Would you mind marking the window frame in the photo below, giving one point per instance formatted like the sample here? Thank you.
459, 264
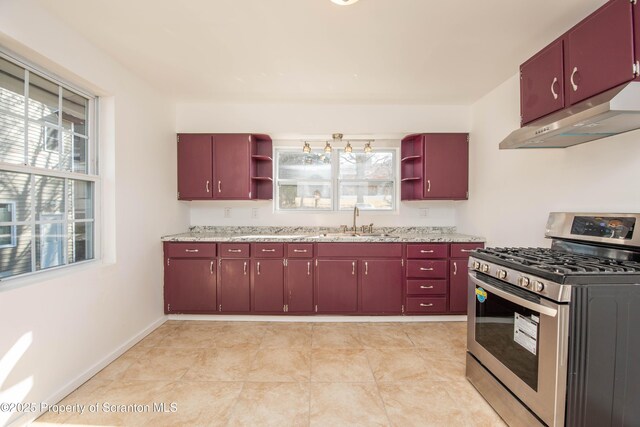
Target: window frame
92, 166
335, 181
11, 224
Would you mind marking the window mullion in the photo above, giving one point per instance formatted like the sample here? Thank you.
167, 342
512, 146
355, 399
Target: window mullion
26, 117
32, 185
60, 131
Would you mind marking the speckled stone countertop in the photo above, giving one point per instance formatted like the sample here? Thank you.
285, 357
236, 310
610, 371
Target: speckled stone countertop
320, 234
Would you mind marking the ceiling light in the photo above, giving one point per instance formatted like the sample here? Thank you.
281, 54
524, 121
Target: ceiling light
327, 148
367, 147
306, 148
344, 2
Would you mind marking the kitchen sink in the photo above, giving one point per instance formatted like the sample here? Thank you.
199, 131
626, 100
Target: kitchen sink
272, 236
352, 235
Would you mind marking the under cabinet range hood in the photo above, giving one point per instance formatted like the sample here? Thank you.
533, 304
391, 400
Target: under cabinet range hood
609, 113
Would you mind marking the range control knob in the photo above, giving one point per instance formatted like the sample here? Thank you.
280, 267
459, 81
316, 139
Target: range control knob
501, 274
523, 281
538, 286
485, 268
476, 265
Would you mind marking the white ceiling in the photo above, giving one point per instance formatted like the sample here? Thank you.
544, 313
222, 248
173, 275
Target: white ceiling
314, 51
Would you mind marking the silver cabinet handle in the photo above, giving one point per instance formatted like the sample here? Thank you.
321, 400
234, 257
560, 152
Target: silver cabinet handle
426, 305
208, 186
211, 268
245, 268
467, 250
353, 268
191, 250
426, 287
573, 83
455, 268
258, 267
430, 251
308, 268
234, 250
303, 251
268, 250
553, 92
219, 186
428, 185
366, 267
426, 269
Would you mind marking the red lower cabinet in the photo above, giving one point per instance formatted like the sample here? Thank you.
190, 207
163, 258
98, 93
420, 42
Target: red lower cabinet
268, 286
426, 305
299, 290
381, 286
336, 286
458, 286
234, 286
190, 285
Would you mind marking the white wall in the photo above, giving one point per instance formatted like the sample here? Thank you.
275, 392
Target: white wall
514, 190
62, 325
289, 124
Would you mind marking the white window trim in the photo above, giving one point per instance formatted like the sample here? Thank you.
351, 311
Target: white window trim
92, 175
11, 223
335, 183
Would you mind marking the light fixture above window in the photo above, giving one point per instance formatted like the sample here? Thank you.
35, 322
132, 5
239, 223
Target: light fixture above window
337, 142
344, 2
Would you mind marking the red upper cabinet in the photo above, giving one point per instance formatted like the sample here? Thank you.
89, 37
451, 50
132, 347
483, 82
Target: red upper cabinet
231, 163
224, 167
599, 54
542, 83
435, 166
195, 174
594, 56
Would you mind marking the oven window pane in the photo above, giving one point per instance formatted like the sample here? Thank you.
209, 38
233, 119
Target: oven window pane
495, 330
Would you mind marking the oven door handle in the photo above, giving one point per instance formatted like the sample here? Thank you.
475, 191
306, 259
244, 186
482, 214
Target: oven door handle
548, 311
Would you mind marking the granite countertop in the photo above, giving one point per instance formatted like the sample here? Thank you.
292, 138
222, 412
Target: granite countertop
320, 234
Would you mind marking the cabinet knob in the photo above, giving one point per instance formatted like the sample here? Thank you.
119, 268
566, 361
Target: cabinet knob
208, 190
428, 185
219, 186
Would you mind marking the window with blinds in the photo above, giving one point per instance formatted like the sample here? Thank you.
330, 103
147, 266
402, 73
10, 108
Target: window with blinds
48, 172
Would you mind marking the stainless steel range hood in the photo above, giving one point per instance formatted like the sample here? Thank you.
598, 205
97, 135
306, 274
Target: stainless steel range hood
609, 113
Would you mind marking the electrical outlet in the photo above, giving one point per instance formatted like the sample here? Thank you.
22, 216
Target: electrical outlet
227, 212
423, 212
254, 213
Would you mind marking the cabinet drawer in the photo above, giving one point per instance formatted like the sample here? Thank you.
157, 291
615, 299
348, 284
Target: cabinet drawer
190, 250
267, 250
234, 250
426, 287
360, 250
461, 250
431, 250
426, 304
300, 250
427, 269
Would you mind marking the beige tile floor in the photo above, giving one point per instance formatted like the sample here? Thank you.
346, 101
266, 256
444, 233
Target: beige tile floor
288, 374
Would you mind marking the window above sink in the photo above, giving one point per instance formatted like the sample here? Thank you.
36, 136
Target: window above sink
335, 181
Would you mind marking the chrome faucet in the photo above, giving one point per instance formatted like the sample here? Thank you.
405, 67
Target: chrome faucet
356, 212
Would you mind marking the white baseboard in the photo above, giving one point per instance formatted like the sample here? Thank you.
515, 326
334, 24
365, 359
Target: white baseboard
27, 418
316, 319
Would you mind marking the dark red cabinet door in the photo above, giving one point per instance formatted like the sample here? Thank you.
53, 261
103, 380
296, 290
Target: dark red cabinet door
234, 286
268, 285
190, 285
299, 285
458, 285
542, 83
599, 51
337, 286
232, 162
195, 158
381, 286
446, 161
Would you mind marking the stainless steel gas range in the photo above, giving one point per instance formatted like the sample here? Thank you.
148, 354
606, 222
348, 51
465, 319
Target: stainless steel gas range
554, 334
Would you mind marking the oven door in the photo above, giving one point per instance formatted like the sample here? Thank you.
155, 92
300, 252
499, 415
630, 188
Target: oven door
521, 339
